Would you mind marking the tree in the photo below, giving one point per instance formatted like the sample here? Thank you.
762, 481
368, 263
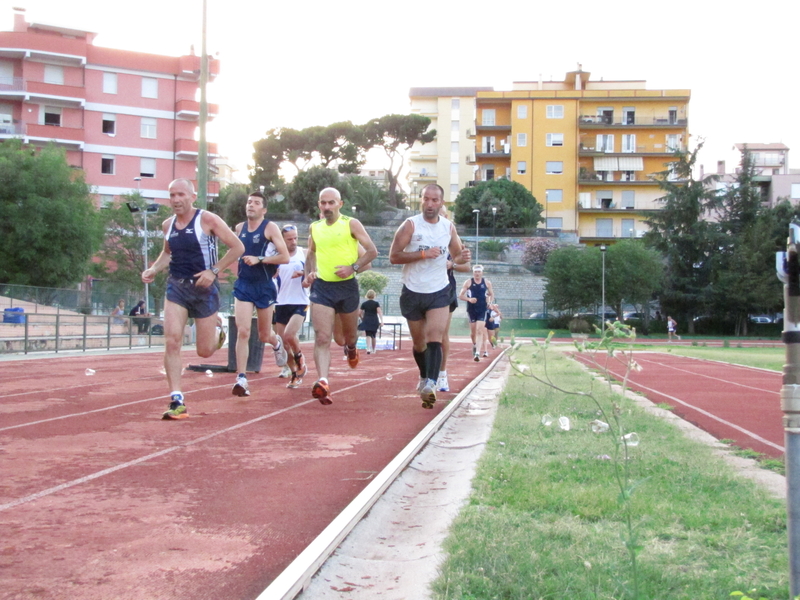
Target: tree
304, 190
232, 203
121, 255
396, 134
49, 226
516, 206
372, 280
536, 253
682, 235
634, 273
573, 278
368, 196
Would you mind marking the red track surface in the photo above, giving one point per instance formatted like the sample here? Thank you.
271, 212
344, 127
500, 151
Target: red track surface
100, 498
728, 401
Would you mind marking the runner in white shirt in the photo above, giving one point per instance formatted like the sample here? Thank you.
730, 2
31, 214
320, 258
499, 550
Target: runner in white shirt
292, 304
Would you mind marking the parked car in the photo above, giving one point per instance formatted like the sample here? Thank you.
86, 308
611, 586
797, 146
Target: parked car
539, 315
633, 315
607, 316
760, 319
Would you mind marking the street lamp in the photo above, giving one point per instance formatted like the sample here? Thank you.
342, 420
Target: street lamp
477, 231
603, 310
148, 208
355, 210
494, 221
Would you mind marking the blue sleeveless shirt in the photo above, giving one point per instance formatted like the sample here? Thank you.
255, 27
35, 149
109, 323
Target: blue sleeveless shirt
192, 249
478, 291
256, 244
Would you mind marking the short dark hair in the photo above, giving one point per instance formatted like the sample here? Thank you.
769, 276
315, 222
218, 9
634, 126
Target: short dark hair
437, 186
257, 194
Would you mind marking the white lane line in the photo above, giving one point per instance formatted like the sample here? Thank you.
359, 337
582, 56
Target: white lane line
125, 465
74, 387
747, 432
743, 385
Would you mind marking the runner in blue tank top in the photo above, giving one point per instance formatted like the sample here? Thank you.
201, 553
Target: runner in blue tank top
190, 253
264, 250
478, 294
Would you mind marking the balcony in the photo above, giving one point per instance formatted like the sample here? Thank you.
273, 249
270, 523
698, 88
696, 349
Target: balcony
503, 154
605, 121
189, 110
654, 149
471, 133
588, 177
489, 128
17, 88
190, 66
186, 148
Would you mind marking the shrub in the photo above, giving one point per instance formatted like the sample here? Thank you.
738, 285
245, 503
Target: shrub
578, 325
537, 251
372, 281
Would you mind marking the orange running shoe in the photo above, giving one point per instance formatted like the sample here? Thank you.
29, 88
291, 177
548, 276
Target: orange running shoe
321, 390
352, 356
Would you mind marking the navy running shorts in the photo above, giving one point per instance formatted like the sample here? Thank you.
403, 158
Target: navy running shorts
414, 305
475, 315
341, 296
284, 312
262, 294
201, 302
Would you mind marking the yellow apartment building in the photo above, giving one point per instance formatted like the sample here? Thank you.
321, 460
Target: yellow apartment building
587, 150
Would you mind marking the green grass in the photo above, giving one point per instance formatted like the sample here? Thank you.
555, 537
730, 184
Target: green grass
547, 519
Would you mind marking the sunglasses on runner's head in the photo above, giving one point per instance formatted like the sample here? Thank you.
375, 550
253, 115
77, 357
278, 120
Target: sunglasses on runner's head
289, 228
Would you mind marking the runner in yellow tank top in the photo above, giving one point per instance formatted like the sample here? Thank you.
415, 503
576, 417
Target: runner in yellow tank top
331, 263
341, 248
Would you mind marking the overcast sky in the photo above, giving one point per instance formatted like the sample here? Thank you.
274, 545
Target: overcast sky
297, 64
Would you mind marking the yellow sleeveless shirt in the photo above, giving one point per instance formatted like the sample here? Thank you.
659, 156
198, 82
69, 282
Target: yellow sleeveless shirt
335, 246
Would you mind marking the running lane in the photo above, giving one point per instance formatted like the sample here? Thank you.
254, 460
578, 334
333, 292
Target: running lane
729, 401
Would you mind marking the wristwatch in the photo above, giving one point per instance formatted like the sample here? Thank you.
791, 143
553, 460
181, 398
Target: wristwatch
354, 266
215, 270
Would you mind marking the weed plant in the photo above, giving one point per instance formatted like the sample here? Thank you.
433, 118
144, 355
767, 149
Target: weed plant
574, 514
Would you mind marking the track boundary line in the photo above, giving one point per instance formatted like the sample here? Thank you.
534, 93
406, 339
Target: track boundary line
296, 577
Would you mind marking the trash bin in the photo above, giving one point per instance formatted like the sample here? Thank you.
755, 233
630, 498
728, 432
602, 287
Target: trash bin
256, 356
14, 315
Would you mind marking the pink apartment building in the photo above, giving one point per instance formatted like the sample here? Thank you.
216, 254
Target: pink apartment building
119, 115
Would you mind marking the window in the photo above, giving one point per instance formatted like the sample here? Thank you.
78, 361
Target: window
627, 176
455, 104
454, 169
554, 195
488, 117
628, 115
628, 199
522, 139
673, 142
627, 228
52, 116
454, 148
606, 114
488, 172
109, 83
795, 191
106, 201
107, 165
555, 111
554, 222
554, 167
453, 190
522, 167
605, 143
54, 74
628, 142
605, 199
149, 87
522, 111
147, 167
604, 228
110, 124
455, 126
555, 139
149, 128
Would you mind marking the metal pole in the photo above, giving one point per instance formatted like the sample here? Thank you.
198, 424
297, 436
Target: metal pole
788, 267
202, 150
477, 232
603, 310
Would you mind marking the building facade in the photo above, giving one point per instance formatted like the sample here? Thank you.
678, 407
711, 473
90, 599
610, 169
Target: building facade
587, 150
445, 160
127, 119
771, 173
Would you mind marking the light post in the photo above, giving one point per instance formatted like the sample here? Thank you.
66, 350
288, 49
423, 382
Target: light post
355, 211
148, 208
477, 231
494, 221
603, 310
266, 202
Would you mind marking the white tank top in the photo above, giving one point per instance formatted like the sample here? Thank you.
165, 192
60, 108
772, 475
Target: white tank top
430, 274
291, 290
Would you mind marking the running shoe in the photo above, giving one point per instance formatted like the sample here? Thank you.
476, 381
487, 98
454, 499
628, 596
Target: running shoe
477, 357
295, 383
177, 410
421, 384
442, 384
486, 355
345, 352
428, 395
286, 372
240, 388
280, 353
352, 357
220, 338
300, 361
321, 390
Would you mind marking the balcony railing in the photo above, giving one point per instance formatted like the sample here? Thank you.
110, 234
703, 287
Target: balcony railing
625, 121
589, 149
187, 109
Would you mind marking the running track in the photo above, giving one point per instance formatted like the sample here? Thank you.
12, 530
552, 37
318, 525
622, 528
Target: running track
729, 401
100, 498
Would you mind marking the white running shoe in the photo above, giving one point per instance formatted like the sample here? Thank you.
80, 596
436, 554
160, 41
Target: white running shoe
280, 353
442, 384
428, 395
286, 372
240, 388
421, 384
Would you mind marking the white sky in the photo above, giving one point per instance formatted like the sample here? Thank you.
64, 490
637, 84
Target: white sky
297, 64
